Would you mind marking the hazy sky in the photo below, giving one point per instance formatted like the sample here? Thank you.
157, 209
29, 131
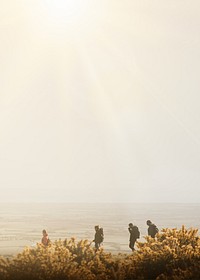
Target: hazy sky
100, 100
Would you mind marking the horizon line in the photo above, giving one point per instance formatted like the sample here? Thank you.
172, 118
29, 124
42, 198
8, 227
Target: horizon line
101, 202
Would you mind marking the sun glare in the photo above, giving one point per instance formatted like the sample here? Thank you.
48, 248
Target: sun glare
65, 11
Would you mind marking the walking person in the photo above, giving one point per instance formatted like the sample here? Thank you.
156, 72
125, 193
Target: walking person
134, 235
45, 239
152, 229
98, 237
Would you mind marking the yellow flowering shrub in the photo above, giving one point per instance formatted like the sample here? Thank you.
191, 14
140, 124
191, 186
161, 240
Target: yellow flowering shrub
173, 254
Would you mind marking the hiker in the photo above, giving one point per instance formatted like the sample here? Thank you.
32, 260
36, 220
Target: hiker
134, 235
45, 239
98, 237
152, 229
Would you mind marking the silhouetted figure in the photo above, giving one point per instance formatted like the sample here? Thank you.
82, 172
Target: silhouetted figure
134, 235
45, 239
152, 229
98, 237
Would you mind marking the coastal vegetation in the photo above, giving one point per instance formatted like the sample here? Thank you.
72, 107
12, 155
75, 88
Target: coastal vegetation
172, 254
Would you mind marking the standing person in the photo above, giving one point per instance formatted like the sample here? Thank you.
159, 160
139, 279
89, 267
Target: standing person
45, 239
98, 237
152, 229
134, 235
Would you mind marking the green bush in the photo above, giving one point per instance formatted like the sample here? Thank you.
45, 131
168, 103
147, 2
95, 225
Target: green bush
173, 254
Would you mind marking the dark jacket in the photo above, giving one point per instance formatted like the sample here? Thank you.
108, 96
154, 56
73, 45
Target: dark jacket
98, 238
152, 230
134, 232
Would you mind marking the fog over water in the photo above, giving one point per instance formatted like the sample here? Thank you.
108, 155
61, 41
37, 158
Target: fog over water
22, 224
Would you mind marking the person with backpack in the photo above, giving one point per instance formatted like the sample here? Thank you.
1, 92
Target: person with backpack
134, 235
98, 237
152, 229
45, 239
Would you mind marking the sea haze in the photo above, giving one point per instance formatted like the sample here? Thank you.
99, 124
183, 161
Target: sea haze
21, 224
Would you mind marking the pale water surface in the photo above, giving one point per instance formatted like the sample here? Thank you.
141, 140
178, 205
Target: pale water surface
21, 224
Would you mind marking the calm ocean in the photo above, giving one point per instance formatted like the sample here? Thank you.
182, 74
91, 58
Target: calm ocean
22, 224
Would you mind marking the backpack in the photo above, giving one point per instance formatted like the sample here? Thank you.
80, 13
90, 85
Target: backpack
101, 235
137, 233
155, 229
